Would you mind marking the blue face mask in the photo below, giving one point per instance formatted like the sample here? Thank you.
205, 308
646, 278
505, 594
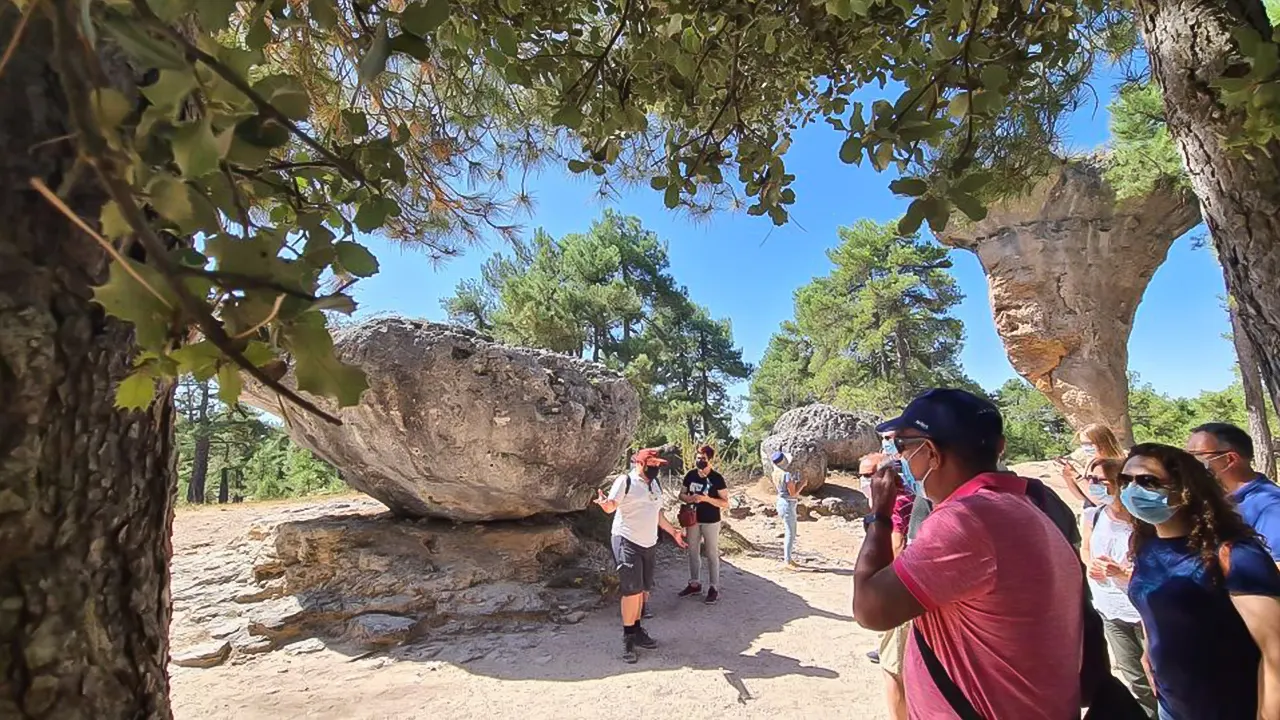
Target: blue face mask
1148, 505
1099, 495
1090, 450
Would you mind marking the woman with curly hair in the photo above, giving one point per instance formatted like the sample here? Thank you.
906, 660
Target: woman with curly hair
1206, 589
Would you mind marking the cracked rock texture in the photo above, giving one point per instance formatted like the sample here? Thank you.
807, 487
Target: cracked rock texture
1066, 268
457, 426
819, 437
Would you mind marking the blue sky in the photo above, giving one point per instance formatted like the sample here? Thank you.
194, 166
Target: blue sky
745, 269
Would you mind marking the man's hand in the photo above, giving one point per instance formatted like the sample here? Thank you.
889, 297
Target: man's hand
885, 486
1098, 569
678, 536
605, 503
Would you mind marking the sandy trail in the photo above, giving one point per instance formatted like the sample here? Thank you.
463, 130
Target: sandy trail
779, 644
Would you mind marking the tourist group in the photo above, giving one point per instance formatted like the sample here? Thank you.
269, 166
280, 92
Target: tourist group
995, 599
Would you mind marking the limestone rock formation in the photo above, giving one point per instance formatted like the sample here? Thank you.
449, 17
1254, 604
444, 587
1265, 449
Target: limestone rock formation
349, 574
1066, 268
455, 425
820, 437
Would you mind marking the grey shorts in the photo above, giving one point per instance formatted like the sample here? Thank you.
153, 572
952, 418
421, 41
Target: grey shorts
635, 566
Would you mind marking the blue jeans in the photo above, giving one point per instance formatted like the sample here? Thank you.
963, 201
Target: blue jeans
787, 511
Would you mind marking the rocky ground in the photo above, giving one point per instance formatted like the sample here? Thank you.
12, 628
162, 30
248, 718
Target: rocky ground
258, 635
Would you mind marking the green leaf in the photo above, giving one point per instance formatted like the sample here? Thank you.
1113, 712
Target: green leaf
356, 259
569, 116
770, 44
911, 221
958, 107
286, 94
215, 15
994, 78
910, 187
111, 107
323, 13
507, 41
883, 156
112, 222
170, 10
259, 34
195, 149
421, 18
375, 61
169, 197
411, 45
229, 383
200, 359
851, 150
937, 211
578, 166
356, 122
170, 89
671, 198
150, 51
974, 181
969, 205
136, 391
315, 367
372, 214
259, 353
126, 298
659, 182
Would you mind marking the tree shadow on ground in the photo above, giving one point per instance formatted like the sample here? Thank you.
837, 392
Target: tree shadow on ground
690, 635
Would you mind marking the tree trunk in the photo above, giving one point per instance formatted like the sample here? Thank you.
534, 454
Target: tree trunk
1255, 401
1190, 45
224, 488
200, 457
86, 490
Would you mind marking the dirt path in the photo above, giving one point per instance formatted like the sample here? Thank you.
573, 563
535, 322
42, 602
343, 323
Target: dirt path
779, 644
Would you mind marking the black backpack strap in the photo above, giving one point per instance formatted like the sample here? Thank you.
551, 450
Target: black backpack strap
952, 692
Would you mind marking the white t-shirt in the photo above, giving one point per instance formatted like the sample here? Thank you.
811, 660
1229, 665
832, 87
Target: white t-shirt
636, 518
1110, 538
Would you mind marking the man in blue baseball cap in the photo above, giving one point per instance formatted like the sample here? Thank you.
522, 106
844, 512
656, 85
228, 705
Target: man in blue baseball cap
992, 587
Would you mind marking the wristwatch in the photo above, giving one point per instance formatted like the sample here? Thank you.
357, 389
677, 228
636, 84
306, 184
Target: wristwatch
875, 518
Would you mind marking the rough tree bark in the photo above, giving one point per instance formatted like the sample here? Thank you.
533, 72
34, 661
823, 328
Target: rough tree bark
1255, 401
1189, 43
85, 490
1066, 268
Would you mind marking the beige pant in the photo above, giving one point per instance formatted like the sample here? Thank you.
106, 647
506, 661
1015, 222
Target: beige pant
893, 646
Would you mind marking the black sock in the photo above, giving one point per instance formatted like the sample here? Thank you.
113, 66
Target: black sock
629, 630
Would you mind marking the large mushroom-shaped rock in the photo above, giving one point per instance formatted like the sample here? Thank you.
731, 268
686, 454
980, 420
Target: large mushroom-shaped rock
1066, 267
819, 437
455, 425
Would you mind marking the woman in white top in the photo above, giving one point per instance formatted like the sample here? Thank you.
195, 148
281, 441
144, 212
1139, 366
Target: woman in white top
1106, 528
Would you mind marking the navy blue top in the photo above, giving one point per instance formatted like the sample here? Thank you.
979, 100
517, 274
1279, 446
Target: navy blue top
1259, 504
1204, 661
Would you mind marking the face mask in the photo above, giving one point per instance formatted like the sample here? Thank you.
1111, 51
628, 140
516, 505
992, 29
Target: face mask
1208, 463
700, 464
913, 485
1089, 449
651, 473
1099, 495
1150, 506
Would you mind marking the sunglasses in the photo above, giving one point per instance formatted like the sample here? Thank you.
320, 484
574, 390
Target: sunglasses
866, 476
1095, 479
902, 443
1142, 480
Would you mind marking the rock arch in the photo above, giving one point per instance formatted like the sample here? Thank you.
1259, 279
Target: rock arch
1066, 267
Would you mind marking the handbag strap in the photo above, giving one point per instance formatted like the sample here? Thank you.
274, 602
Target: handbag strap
952, 692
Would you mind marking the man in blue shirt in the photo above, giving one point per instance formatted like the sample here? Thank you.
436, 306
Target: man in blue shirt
1227, 451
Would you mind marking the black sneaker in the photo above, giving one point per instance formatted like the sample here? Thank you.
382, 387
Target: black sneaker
629, 649
692, 588
713, 597
874, 656
643, 640
645, 614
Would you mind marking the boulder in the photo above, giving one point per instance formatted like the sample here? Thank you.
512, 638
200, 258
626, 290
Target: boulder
846, 435
1066, 267
819, 437
376, 629
205, 655
455, 425
808, 461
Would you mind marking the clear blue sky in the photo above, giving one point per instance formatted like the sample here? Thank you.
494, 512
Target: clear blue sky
745, 269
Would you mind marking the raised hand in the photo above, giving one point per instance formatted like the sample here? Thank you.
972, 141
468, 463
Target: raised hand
600, 500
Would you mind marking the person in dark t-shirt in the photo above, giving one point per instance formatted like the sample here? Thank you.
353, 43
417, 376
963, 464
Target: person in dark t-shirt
706, 490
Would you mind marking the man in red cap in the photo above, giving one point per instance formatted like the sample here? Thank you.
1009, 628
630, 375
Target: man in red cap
635, 500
